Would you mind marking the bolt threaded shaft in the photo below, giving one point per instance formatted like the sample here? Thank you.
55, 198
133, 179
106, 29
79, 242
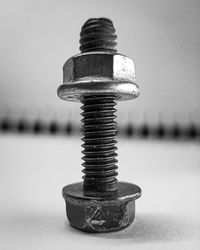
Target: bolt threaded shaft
99, 132
99, 128
98, 34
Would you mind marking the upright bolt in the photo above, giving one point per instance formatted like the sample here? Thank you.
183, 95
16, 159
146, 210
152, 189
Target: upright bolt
98, 77
99, 128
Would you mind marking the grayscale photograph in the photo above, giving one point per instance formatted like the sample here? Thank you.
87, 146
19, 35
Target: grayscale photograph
99, 124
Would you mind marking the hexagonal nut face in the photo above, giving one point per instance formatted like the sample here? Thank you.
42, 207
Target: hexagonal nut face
98, 214
99, 66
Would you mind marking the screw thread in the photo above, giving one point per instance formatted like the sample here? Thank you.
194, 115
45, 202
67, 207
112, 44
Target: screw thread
98, 34
99, 128
99, 133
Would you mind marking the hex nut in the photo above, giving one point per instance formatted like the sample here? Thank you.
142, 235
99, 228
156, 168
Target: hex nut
98, 72
94, 65
93, 214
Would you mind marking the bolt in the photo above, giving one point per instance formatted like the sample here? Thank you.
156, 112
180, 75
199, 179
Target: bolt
98, 77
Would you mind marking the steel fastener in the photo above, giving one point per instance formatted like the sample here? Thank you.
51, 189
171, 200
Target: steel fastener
98, 77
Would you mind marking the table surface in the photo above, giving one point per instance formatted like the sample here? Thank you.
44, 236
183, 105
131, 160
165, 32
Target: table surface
34, 169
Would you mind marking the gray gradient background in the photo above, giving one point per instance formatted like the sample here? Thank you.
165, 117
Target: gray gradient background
36, 39
162, 37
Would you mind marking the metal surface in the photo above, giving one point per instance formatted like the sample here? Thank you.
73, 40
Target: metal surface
98, 72
98, 77
101, 214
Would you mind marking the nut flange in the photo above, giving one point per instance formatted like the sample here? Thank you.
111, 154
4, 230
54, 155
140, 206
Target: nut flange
97, 73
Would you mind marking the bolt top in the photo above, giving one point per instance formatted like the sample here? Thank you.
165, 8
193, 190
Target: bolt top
98, 69
98, 34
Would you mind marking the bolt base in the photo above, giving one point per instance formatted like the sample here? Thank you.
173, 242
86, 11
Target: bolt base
101, 214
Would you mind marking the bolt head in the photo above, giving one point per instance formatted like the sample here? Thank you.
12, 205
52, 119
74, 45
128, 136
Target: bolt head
97, 73
95, 214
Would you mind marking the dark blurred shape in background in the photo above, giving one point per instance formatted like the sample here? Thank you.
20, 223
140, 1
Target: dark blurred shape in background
162, 37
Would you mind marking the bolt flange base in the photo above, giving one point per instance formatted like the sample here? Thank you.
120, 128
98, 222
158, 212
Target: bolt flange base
101, 214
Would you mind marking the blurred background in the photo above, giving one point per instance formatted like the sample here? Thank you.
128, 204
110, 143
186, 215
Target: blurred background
162, 37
